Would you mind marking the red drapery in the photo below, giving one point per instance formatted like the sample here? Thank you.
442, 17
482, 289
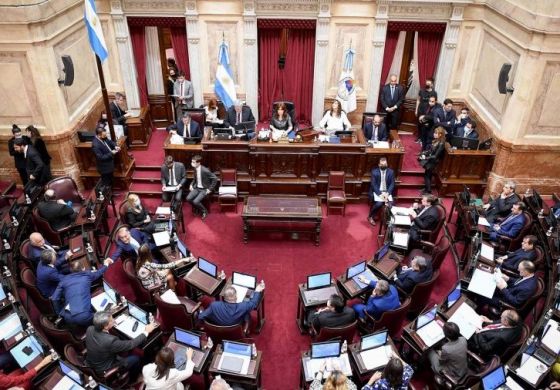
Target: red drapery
179, 43
295, 80
137, 37
388, 54
429, 44
416, 26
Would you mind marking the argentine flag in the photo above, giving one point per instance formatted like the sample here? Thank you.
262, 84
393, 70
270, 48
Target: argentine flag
224, 87
95, 33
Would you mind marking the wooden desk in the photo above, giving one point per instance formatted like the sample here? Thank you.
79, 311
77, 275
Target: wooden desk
294, 215
350, 289
140, 129
259, 309
306, 376
203, 282
387, 265
310, 299
250, 381
411, 338
363, 373
202, 367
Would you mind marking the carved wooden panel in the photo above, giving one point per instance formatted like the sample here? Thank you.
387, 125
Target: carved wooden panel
160, 108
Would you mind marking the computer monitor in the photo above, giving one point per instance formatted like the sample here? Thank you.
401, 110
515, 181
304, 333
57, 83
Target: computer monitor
187, 338
191, 140
221, 130
237, 348
318, 281
453, 296
325, 349
111, 293
537, 200
137, 313
374, 340
382, 251
182, 248
70, 372
2, 293
244, 126
207, 267
464, 143
355, 269
10, 326
343, 133
426, 318
466, 195
26, 351
244, 280
494, 379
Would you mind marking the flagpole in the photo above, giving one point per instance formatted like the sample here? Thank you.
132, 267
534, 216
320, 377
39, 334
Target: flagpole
105, 98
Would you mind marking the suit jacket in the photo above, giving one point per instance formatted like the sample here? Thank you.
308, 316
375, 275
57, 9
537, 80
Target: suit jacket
453, 358
332, 319
396, 100
494, 341
501, 207
209, 180
19, 158
231, 116
513, 259
376, 306
35, 254
511, 227
187, 93
375, 187
103, 156
226, 314
36, 167
382, 134
427, 220
182, 131
434, 155
408, 279
117, 114
41, 148
517, 294
58, 215
127, 249
180, 174
136, 219
49, 277
445, 119
460, 132
103, 348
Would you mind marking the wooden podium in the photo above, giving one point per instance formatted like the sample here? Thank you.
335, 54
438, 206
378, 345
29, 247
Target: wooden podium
140, 129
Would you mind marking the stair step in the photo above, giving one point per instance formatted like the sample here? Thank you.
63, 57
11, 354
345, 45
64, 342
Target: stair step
139, 174
411, 172
149, 167
411, 181
146, 189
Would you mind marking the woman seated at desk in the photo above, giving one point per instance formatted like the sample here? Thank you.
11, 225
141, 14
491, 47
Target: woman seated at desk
137, 216
281, 122
211, 111
153, 274
335, 120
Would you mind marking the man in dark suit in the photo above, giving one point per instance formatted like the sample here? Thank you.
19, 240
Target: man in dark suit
526, 252
496, 336
423, 218
186, 128
381, 188
37, 244
445, 117
453, 355
461, 120
237, 114
383, 298
119, 114
420, 271
128, 243
501, 206
104, 150
376, 130
72, 297
467, 131
104, 349
173, 174
204, 182
426, 121
335, 314
56, 211
19, 159
516, 291
50, 272
36, 169
228, 312
512, 225
392, 98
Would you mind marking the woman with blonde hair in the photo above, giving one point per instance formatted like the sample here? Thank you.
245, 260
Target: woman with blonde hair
137, 216
153, 274
335, 381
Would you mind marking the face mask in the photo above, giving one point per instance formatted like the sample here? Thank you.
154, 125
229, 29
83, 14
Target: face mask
383, 167
193, 165
428, 86
18, 135
104, 117
137, 203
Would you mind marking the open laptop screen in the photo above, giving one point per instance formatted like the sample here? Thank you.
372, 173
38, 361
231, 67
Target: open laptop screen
454, 295
425, 318
318, 280
325, 350
26, 351
382, 251
355, 270
2, 293
137, 313
237, 348
182, 248
110, 292
494, 379
207, 267
244, 280
70, 372
374, 340
10, 326
188, 338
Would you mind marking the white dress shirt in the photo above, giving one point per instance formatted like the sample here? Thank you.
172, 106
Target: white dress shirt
173, 381
334, 123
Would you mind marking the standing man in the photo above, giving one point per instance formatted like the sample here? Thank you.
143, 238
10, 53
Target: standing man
104, 150
426, 121
422, 101
36, 170
382, 187
445, 117
392, 98
119, 114
19, 159
173, 174
184, 95
204, 182
376, 130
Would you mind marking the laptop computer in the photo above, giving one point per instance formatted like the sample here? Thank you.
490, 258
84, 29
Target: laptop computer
27, 352
381, 252
71, 372
374, 340
325, 349
106, 300
133, 322
207, 267
10, 326
235, 357
453, 296
428, 329
373, 350
354, 272
189, 339
495, 380
3, 298
318, 281
242, 283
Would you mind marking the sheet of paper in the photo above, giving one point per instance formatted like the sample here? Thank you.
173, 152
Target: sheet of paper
380, 145
126, 327
400, 239
96, 301
531, 370
377, 198
163, 211
161, 238
376, 357
430, 333
396, 210
134, 113
342, 362
402, 220
170, 189
482, 283
552, 337
487, 251
467, 319
67, 384
169, 296
227, 190
513, 385
483, 221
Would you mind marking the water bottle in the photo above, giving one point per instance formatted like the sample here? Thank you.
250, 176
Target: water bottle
27, 199
541, 213
92, 384
15, 222
344, 347
11, 298
123, 300
69, 203
6, 244
254, 350
54, 355
209, 343
100, 196
151, 318
222, 275
89, 248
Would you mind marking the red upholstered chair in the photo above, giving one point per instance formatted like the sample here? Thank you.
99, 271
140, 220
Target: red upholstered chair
181, 315
530, 304
513, 348
434, 252
143, 295
59, 338
343, 332
477, 369
65, 188
55, 237
336, 196
112, 378
122, 211
509, 244
227, 193
24, 253
30, 283
391, 320
198, 115
219, 333
421, 294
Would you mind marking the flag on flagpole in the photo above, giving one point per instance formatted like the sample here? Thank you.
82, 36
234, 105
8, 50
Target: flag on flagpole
224, 87
346, 89
95, 33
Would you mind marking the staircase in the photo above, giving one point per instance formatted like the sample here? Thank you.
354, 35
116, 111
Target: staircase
146, 181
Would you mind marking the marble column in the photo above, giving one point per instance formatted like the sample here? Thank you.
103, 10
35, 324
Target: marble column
126, 57
377, 50
321, 54
250, 56
154, 77
193, 39
447, 53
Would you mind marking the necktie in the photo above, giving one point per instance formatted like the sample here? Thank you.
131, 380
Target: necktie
375, 133
189, 130
392, 91
492, 327
238, 118
383, 186
172, 177
181, 90
134, 244
422, 212
107, 145
509, 218
48, 247
518, 281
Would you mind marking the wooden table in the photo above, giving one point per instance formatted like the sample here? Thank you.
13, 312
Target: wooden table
282, 214
310, 299
252, 380
259, 309
202, 367
363, 373
204, 283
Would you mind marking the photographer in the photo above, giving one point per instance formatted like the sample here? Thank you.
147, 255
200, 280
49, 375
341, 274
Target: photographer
430, 158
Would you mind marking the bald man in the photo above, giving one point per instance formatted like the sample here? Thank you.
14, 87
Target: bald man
37, 244
392, 98
56, 211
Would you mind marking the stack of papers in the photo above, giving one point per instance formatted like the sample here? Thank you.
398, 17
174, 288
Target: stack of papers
483, 221
430, 333
169, 296
400, 239
163, 211
487, 251
314, 365
552, 337
531, 370
467, 319
482, 283
161, 238
379, 144
376, 357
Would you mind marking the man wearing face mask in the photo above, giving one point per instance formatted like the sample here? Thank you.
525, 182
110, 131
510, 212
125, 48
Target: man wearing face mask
422, 101
426, 121
381, 190
461, 120
104, 150
445, 117
19, 159
204, 182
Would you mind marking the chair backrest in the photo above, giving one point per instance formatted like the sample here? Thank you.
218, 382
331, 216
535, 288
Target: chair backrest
174, 315
143, 295
337, 180
198, 115
43, 226
30, 283
290, 107
473, 378
228, 177
421, 293
24, 250
440, 251
219, 333
123, 207
367, 117
65, 188
539, 258
530, 303
59, 338
343, 332
516, 241
434, 233
392, 319
512, 348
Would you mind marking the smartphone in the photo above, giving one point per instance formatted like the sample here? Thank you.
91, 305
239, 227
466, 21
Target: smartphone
103, 302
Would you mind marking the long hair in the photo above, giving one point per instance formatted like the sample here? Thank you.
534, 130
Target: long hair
338, 108
336, 381
33, 132
393, 372
165, 360
440, 132
131, 199
280, 106
144, 256
212, 103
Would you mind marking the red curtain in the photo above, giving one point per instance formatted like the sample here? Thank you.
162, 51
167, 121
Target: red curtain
388, 54
429, 44
137, 37
179, 43
295, 80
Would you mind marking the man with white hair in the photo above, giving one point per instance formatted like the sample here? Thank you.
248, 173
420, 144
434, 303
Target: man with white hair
500, 207
420, 271
56, 211
239, 113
